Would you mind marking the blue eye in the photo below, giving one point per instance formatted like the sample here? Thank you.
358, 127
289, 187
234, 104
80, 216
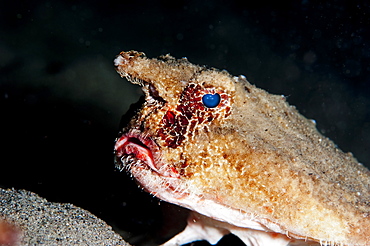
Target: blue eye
211, 100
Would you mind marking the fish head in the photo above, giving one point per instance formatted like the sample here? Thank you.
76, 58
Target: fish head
185, 107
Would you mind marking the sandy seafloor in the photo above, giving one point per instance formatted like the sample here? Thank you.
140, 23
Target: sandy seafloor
33, 220
61, 99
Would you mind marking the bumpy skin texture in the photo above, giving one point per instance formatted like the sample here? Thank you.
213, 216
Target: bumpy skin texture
252, 161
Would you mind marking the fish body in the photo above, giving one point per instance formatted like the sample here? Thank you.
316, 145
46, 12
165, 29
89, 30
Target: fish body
243, 160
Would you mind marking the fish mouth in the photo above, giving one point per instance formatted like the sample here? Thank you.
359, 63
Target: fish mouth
133, 149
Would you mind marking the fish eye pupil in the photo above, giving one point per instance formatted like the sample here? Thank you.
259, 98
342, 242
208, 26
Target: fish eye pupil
211, 100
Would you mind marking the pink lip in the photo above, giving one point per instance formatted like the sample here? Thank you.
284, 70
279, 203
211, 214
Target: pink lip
143, 149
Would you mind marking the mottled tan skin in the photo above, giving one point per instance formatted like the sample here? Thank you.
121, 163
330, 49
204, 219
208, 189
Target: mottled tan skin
261, 157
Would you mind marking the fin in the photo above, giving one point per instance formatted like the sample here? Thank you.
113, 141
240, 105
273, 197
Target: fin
199, 228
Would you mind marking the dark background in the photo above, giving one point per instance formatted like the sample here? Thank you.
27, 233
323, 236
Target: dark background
61, 99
